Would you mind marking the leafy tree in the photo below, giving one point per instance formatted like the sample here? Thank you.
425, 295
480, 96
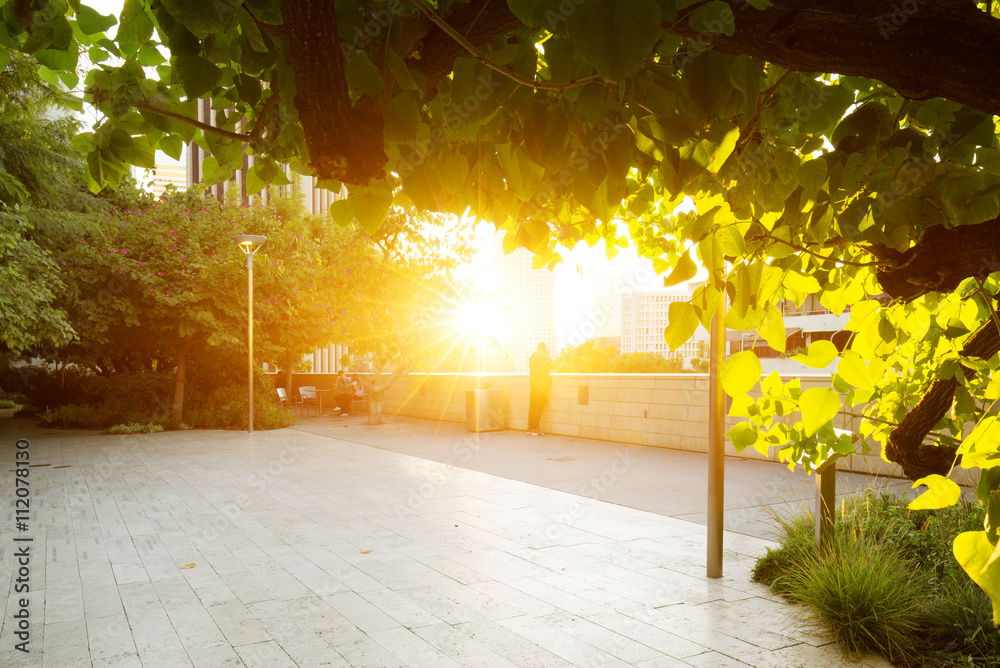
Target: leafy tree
820, 160
168, 280
587, 357
44, 205
592, 357
640, 362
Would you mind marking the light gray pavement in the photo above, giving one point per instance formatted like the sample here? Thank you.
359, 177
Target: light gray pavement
667, 482
308, 547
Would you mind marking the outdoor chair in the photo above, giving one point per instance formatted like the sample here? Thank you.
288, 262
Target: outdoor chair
307, 397
291, 402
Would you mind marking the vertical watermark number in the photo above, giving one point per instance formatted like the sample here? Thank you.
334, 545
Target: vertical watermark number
22, 544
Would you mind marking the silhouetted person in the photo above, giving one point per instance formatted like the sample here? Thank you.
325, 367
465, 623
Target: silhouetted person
343, 392
540, 369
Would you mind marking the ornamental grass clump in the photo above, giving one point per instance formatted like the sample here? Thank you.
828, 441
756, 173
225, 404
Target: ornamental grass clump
888, 583
867, 594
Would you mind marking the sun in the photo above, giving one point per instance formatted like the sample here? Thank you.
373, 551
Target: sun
479, 318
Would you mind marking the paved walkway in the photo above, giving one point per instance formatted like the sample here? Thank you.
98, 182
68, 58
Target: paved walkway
299, 548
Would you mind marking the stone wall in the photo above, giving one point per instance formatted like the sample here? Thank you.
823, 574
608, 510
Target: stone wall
660, 410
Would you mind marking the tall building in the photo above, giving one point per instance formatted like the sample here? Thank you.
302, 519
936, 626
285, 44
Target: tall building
531, 296
645, 316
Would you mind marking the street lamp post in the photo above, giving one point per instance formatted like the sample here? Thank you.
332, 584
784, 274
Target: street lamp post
249, 244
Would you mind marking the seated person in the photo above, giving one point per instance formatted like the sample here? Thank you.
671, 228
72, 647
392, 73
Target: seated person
343, 391
359, 388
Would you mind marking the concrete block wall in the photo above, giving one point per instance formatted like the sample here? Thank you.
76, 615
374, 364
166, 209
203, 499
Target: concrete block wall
660, 410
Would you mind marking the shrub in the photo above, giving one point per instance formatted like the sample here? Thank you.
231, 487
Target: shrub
226, 407
87, 416
135, 428
866, 593
889, 583
7, 403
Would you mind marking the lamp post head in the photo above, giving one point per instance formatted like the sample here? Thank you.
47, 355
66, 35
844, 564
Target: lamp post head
249, 243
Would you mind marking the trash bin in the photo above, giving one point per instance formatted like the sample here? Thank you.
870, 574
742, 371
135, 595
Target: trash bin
484, 410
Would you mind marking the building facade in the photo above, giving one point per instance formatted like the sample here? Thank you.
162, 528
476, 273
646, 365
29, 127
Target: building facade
530, 294
645, 316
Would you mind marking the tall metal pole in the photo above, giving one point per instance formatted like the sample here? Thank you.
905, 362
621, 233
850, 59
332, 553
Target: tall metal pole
250, 335
716, 442
249, 244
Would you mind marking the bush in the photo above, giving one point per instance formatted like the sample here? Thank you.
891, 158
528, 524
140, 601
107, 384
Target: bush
866, 593
889, 583
87, 416
226, 407
134, 428
7, 403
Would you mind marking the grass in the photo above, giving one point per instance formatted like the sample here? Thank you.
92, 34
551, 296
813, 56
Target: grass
889, 583
135, 428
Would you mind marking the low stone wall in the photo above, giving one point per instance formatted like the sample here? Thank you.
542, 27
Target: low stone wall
661, 410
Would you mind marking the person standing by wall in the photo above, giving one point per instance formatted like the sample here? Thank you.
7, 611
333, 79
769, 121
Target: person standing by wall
540, 368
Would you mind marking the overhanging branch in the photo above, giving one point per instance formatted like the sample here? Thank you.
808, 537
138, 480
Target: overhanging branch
943, 49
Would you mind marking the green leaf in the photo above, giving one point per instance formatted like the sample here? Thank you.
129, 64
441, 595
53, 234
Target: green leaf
363, 76
198, 75
136, 27
740, 372
976, 555
685, 270
340, 211
615, 35
941, 493
818, 406
743, 435
853, 369
370, 208
91, 22
214, 173
402, 118
202, 17
714, 18
773, 329
682, 323
818, 355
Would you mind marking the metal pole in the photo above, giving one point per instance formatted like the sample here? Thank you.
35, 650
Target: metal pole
716, 442
250, 335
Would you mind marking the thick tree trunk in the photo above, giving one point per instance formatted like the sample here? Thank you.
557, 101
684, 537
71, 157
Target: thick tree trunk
177, 408
943, 258
939, 49
344, 143
376, 400
287, 368
905, 445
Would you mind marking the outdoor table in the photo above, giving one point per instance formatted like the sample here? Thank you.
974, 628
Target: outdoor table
320, 393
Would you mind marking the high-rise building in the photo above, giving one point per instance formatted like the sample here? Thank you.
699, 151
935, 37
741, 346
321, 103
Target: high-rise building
645, 316
530, 294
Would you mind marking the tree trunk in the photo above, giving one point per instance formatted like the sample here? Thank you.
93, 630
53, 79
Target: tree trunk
177, 409
287, 367
376, 400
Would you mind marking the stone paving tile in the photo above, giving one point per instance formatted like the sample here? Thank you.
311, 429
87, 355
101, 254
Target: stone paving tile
305, 550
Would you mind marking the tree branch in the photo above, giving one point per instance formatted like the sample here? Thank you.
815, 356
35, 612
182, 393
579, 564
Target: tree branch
941, 50
803, 249
483, 58
943, 258
204, 127
904, 445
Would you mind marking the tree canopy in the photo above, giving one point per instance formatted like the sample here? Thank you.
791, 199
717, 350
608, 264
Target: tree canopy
845, 150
